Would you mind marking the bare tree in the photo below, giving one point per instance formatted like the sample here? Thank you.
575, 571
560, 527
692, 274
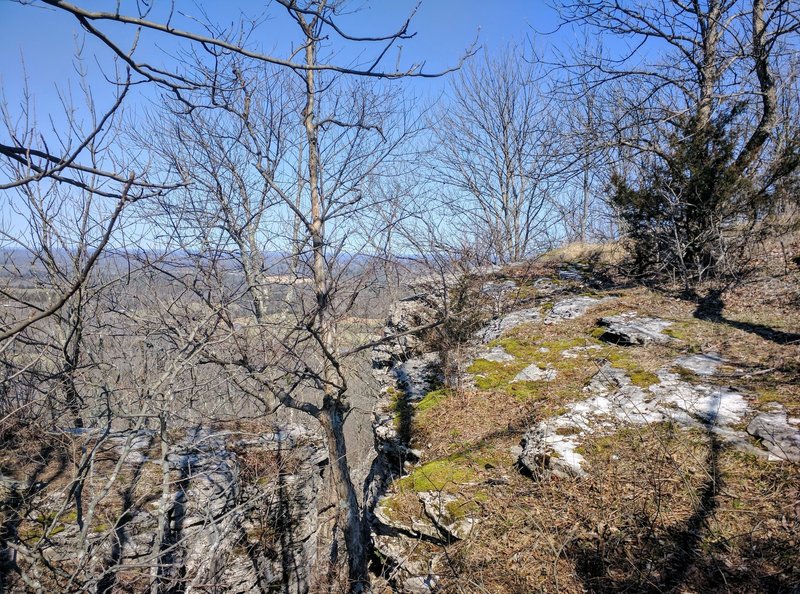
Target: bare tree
261, 183
587, 141
498, 157
283, 234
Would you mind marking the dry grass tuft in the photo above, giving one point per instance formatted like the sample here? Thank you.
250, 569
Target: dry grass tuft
609, 253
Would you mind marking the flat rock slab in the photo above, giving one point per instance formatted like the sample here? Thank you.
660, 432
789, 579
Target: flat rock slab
507, 322
607, 379
534, 373
705, 364
496, 355
571, 308
777, 432
566, 309
631, 329
552, 446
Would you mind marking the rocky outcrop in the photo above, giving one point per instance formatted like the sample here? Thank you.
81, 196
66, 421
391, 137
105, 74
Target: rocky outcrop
228, 523
408, 374
551, 447
416, 517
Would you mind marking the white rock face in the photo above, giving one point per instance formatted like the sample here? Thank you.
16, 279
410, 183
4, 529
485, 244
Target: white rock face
711, 405
551, 446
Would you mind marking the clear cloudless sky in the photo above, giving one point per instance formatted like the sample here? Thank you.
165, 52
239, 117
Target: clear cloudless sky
46, 39
38, 46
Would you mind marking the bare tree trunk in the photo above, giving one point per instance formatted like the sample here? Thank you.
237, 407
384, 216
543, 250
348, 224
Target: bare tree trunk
344, 498
342, 492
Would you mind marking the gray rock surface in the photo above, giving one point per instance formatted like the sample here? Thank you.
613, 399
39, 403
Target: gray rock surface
420, 584
448, 513
631, 329
417, 376
566, 309
212, 515
777, 432
505, 323
534, 373
571, 308
701, 364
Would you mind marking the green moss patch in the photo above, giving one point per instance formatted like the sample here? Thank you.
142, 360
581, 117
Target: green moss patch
436, 475
468, 507
638, 375
431, 399
453, 471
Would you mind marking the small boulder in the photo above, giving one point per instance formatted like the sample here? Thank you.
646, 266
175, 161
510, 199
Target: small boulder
569, 309
632, 329
545, 453
449, 513
507, 322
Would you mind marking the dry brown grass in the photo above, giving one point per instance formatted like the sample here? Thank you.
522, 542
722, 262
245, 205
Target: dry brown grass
664, 509
609, 253
655, 514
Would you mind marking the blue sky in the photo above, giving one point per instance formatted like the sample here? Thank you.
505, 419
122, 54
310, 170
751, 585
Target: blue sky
47, 39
